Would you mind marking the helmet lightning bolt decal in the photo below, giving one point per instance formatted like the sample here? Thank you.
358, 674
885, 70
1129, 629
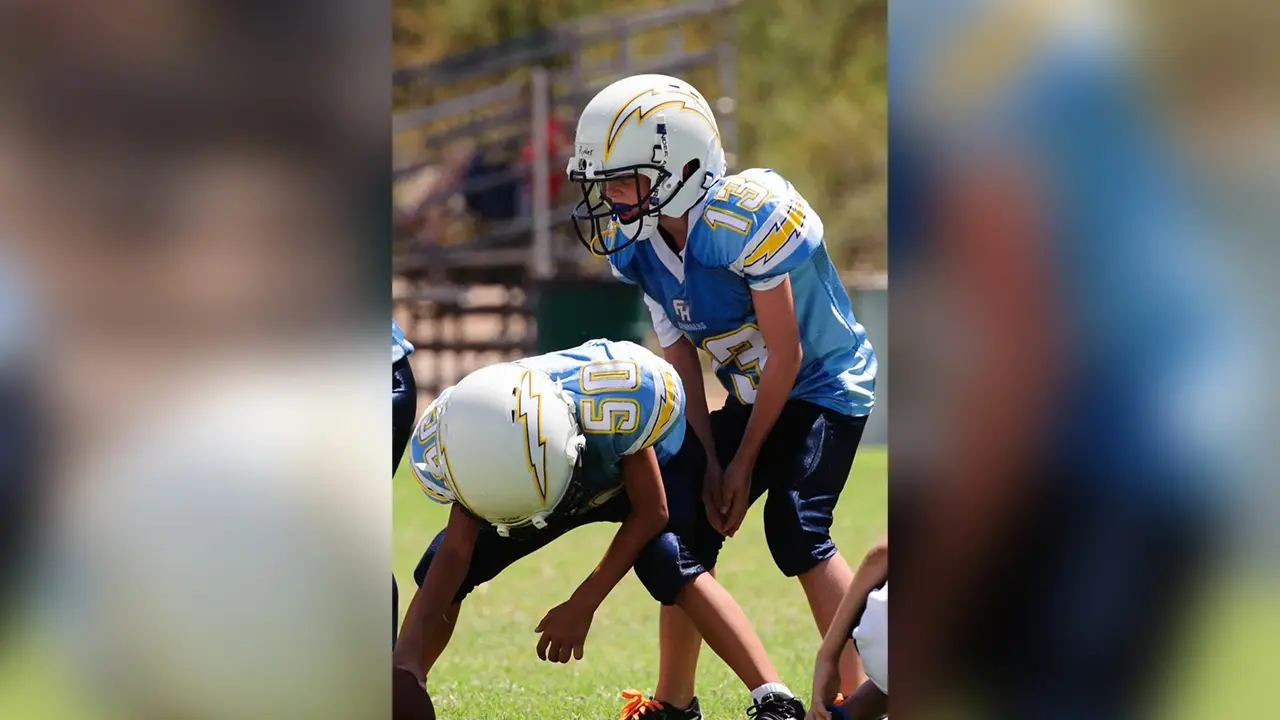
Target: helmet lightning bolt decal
529, 411
643, 105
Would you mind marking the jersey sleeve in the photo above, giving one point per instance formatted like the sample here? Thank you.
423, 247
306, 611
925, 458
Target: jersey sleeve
764, 227
667, 332
630, 404
619, 275
425, 453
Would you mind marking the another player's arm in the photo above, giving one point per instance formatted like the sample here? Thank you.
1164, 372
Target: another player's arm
871, 572
565, 626
647, 518
425, 630
683, 356
776, 315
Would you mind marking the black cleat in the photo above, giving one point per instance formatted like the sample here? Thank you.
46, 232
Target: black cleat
777, 707
642, 707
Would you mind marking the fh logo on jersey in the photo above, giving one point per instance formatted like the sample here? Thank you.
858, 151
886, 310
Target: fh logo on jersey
682, 310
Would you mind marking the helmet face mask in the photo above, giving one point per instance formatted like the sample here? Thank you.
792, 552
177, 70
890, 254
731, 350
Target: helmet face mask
650, 126
606, 226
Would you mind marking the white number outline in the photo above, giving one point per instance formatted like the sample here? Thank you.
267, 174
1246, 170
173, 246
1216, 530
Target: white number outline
731, 348
750, 196
610, 415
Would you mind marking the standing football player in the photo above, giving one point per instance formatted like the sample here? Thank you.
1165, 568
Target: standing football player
404, 408
529, 450
734, 266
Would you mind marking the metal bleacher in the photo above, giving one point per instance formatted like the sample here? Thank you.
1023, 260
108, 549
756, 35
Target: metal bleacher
462, 285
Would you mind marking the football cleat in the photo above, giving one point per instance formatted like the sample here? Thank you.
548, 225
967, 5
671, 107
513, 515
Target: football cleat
642, 707
777, 707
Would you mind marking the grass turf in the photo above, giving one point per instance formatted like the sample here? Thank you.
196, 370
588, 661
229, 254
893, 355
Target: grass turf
491, 671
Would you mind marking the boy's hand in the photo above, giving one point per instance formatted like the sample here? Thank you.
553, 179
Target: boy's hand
712, 486
564, 632
409, 699
826, 683
735, 495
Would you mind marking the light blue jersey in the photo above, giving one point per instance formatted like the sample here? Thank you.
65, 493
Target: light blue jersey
627, 399
400, 347
751, 231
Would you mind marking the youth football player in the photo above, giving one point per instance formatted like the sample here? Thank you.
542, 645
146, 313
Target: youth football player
526, 452
404, 408
734, 266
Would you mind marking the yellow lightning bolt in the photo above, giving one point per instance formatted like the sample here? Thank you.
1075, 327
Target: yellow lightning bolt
634, 108
778, 237
525, 394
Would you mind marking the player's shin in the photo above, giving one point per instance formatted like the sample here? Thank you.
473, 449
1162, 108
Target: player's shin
679, 644
725, 626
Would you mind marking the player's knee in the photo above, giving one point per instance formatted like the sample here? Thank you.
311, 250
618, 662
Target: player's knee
797, 543
664, 569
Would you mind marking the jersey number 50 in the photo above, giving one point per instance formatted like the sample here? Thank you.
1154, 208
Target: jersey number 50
744, 353
605, 415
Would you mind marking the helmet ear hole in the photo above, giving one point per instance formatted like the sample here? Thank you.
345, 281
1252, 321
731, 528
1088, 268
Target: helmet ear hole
691, 167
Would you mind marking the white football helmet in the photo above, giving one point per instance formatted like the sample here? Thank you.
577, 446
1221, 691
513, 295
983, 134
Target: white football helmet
509, 444
651, 125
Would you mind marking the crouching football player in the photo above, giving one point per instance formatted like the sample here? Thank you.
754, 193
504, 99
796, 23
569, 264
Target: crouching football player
530, 450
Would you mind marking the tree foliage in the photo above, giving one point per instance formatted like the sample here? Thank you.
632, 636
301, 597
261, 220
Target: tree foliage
811, 94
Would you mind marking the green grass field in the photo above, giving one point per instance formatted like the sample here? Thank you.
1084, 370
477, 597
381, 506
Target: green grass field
1224, 656
491, 671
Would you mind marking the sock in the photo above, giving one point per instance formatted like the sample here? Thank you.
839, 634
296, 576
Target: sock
769, 688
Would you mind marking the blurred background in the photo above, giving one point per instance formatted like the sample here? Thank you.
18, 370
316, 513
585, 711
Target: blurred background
195, 513
486, 265
1082, 223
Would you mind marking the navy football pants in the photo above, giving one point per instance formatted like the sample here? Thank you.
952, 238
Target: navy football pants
802, 466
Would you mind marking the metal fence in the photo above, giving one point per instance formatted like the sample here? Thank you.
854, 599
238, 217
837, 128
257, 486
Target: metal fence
463, 285
480, 220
